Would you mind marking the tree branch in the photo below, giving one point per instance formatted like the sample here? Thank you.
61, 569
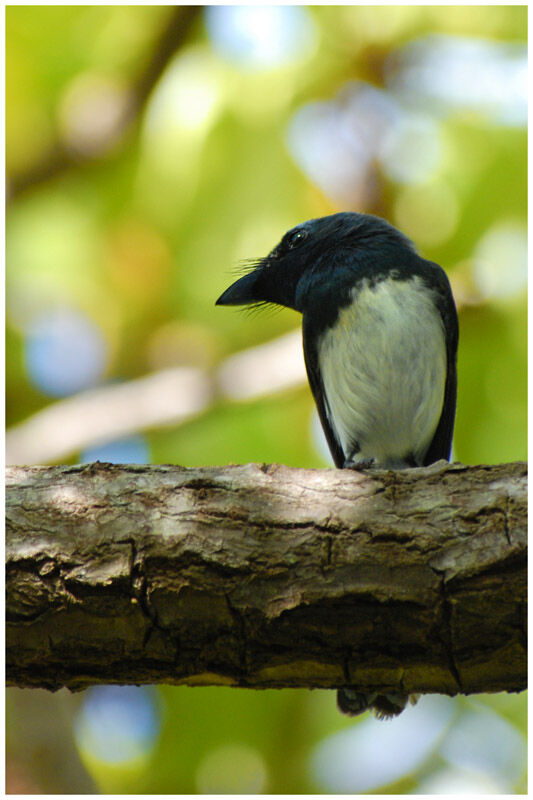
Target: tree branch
266, 576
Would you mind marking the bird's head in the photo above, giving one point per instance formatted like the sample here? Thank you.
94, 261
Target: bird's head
313, 252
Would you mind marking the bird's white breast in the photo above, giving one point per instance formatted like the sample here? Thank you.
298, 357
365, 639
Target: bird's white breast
383, 366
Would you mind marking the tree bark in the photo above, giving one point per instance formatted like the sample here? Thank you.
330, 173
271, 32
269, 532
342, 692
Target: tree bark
266, 576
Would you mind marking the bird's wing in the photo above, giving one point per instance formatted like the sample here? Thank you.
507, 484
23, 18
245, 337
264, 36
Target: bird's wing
441, 443
317, 387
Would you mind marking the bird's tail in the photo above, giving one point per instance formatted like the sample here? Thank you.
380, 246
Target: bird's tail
384, 706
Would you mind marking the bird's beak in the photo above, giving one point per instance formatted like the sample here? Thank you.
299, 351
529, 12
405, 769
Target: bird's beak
241, 292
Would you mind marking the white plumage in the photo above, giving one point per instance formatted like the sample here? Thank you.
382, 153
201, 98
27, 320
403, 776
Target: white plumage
383, 367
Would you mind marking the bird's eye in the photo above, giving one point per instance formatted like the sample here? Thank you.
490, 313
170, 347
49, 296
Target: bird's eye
296, 238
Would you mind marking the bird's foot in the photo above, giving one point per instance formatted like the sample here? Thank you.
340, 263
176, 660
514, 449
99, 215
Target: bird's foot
360, 466
353, 703
384, 706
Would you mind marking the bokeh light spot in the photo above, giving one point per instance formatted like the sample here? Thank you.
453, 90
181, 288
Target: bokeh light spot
91, 113
188, 96
335, 142
260, 36
118, 723
232, 769
500, 261
450, 73
65, 352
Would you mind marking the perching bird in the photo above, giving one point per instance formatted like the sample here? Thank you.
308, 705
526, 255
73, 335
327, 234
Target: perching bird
380, 336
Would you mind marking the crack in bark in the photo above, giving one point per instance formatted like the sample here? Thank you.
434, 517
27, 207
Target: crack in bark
329, 549
447, 632
506, 518
139, 592
241, 519
240, 624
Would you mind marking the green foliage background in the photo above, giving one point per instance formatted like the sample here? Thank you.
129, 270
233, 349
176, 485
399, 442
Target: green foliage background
143, 236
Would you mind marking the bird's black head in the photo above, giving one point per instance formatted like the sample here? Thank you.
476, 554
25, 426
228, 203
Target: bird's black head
317, 252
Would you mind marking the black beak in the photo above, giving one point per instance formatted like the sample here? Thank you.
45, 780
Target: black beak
241, 292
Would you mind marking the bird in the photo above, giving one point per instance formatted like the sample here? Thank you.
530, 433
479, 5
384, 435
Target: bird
380, 335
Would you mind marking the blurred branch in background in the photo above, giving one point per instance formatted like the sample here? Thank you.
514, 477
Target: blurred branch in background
265, 576
168, 397
100, 127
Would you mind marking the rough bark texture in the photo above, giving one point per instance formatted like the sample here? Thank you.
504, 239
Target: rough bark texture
266, 576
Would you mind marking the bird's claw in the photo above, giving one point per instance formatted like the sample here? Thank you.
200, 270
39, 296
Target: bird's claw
360, 466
